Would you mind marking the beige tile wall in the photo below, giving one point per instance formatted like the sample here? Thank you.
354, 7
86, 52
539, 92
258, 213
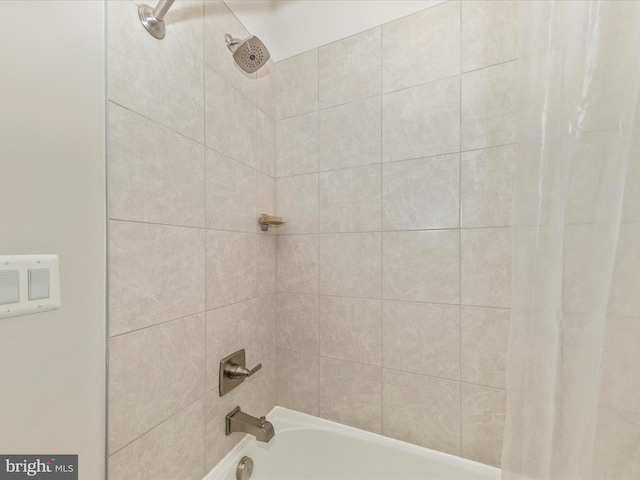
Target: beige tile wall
395, 162
192, 278
394, 173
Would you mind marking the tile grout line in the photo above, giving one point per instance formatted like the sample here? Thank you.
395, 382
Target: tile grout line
392, 369
317, 298
202, 143
382, 409
276, 123
163, 422
392, 162
390, 92
460, 193
204, 136
364, 232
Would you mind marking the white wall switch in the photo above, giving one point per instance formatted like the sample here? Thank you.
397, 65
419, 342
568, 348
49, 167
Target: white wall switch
39, 284
9, 286
28, 284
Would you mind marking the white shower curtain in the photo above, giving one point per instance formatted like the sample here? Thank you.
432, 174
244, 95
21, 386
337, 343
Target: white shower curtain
573, 367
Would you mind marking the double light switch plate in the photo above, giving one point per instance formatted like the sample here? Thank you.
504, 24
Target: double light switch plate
28, 284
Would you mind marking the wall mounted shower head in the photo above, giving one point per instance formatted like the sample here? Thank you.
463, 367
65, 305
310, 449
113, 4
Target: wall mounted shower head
250, 54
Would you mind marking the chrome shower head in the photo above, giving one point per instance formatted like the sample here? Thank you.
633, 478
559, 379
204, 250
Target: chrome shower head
250, 54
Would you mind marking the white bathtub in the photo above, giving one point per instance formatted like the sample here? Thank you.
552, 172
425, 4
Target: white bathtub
307, 447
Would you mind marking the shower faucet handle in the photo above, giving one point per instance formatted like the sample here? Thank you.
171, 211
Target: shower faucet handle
238, 371
233, 371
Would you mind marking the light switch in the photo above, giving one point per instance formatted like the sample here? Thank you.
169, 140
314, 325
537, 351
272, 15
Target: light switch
39, 284
29, 284
9, 286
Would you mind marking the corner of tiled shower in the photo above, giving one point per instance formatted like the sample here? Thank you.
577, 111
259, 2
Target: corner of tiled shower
382, 303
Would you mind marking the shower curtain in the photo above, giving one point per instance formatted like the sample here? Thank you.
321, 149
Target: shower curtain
573, 367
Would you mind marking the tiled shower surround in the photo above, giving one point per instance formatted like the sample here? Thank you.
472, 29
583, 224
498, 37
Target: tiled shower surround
389, 154
395, 152
191, 275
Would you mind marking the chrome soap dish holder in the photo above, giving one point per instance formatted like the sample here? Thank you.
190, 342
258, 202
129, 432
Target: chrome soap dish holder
267, 220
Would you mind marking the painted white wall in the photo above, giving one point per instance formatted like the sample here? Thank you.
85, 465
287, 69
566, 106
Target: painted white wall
258, 17
52, 200
301, 25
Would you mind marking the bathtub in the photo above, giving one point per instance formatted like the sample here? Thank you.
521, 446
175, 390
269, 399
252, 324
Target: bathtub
307, 447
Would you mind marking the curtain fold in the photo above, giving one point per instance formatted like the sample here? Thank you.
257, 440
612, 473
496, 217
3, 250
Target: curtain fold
573, 379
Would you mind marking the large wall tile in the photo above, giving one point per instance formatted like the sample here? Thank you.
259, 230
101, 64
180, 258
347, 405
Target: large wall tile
230, 329
267, 326
432, 416
488, 107
351, 329
489, 32
297, 328
485, 334
486, 267
421, 194
421, 47
155, 174
266, 196
296, 84
161, 80
174, 449
357, 58
620, 384
219, 20
156, 273
422, 338
297, 203
263, 394
153, 373
298, 381
265, 144
265, 89
231, 268
230, 119
421, 121
267, 264
298, 263
624, 299
487, 187
349, 135
297, 145
231, 194
483, 414
350, 265
631, 207
351, 394
350, 200
259, 395
216, 441
421, 266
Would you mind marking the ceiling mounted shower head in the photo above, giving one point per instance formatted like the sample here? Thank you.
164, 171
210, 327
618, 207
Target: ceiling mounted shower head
250, 54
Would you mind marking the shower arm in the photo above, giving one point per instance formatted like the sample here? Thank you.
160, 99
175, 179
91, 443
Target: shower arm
232, 43
153, 19
161, 9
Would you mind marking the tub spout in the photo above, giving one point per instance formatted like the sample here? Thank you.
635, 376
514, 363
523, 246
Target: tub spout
238, 421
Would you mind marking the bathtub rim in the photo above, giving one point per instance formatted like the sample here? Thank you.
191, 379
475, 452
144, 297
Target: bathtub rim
304, 421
